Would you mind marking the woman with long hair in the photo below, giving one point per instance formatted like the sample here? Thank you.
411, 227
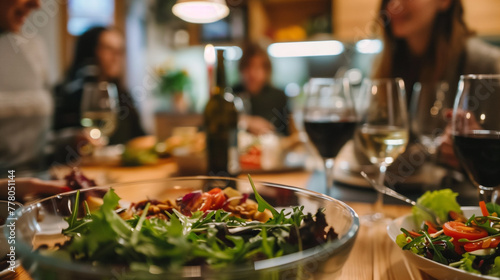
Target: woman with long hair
99, 55
428, 41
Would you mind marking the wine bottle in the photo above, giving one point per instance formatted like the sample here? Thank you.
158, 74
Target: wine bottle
221, 123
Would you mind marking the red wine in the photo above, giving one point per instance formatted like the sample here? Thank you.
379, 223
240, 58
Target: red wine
480, 156
329, 137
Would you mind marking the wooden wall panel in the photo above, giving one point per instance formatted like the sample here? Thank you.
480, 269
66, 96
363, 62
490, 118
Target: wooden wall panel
483, 16
352, 18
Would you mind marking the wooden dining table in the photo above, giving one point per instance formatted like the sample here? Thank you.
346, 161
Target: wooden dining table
374, 255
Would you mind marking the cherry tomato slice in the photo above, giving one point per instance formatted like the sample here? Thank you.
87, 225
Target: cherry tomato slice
207, 202
459, 230
219, 200
483, 244
212, 200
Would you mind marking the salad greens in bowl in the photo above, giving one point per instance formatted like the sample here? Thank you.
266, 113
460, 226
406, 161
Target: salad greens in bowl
465, 246
186, 228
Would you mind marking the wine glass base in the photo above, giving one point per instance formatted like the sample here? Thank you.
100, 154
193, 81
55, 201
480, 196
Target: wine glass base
375, 218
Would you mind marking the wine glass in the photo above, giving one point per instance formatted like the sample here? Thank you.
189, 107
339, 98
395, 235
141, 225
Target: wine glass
428, 107
476, 132
329, 119
99, 111
382, 133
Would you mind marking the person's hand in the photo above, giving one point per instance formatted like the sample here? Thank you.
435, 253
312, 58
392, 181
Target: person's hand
33, 187
258, 125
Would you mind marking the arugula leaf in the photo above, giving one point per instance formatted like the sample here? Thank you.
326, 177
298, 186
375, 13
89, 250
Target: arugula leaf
263, 204
72, 219
266, 244
493, 208
138, 227
437, 254
484, 223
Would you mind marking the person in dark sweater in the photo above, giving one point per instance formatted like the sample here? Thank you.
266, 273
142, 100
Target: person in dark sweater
266, 108
99, 56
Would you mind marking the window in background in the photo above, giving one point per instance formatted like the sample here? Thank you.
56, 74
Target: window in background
83, 14
230, 29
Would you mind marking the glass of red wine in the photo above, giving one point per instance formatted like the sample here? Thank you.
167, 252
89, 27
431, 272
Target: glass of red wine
476, 132
329, 119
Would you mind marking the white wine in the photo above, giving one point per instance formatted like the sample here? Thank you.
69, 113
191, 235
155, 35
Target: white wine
383, 143
104, 121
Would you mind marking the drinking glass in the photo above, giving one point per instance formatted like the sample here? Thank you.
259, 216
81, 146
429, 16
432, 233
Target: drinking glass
99, 111
476, 132
329, 119
428, 107
382, 133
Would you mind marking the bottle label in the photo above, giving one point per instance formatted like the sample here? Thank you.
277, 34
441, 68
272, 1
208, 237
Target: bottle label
233, 155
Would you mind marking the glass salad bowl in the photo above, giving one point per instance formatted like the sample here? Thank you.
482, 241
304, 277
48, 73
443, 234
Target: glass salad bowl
39, 227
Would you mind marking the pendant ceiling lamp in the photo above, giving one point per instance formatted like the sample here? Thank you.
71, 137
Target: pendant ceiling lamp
200, 11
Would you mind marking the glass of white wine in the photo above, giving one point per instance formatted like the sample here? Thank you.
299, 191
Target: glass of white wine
383, 130
99, 109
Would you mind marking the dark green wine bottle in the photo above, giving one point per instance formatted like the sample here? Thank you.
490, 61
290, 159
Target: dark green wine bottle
221, 125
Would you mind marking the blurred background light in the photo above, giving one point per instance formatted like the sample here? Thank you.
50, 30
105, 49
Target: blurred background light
201, 11
301, 49
369, 46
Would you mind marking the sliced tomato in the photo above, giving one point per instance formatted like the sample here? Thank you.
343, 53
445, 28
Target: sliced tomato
430, 227
212, 200
459, 230
219, 198
207, 202
483, 244
215, 191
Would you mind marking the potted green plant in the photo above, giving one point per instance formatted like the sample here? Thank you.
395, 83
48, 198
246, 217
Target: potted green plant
174, 86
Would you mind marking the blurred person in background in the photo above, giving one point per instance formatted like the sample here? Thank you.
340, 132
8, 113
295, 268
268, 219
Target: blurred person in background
266, 108
428, 41
99, 55
26, 104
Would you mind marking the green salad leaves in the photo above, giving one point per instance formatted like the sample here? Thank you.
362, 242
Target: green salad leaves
441, 201
213, 238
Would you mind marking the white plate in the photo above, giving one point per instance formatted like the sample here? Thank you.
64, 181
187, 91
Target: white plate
434, 269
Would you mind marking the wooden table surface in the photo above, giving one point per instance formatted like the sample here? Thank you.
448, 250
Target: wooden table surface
374, 255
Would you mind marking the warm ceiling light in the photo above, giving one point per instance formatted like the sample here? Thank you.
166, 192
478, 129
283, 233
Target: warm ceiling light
201, 11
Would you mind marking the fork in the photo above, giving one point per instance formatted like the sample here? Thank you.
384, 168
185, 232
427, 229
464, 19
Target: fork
390, 192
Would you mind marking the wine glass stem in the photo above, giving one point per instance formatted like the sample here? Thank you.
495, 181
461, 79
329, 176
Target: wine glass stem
329, 163
379, 204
